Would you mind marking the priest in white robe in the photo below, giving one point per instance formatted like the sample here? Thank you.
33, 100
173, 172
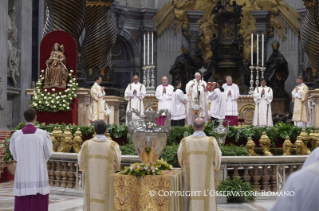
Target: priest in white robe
96, 110
303, 185
164, 94
179, 101
196, 91
232, 92
31, 147
218, 103
263, 96
134, 94
200, 157
98, 159
300, 96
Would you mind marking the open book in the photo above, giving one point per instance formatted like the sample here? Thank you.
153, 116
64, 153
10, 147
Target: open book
211, 86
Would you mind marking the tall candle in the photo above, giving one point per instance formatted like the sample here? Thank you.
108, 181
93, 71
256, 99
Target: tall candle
257, 49
152, 49
262, 50
144, 51
148, 48
252, 49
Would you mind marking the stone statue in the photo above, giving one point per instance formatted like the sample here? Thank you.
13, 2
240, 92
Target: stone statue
299, 146
277, 71
56, 73
287, 146
250, 145
77, 141
13, 53
265, 144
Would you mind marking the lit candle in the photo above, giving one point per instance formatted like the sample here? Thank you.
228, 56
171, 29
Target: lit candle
252, 49
152, 49
148, 48
262, 50
257, 49
144, 50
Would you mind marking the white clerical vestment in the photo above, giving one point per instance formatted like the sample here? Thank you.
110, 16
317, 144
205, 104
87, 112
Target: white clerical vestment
31, 151
231, 100
262, 115
300, 113
98, 158
192, 99
218, 103
135, 100
97, 105
179, 101
165, 99
199, 156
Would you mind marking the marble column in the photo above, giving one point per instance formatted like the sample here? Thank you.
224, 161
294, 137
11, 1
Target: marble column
194, 32
3, 62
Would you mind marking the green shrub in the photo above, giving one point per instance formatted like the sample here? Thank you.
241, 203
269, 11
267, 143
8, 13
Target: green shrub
128, 149
233, 150
170, 155
236, 185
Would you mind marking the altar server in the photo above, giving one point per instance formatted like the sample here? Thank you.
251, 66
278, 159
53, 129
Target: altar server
301, 187
196, 92
97, 110
300, 96
164, 94
218, 102
232, 92
199, 156
98, 159
31, 148
134, 94
179, 102
263, 96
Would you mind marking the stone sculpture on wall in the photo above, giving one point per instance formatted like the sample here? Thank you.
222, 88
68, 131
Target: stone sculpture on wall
13, 53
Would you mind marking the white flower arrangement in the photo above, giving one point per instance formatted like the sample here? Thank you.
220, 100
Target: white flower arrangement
54, 102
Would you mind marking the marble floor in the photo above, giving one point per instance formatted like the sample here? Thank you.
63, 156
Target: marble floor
73, 203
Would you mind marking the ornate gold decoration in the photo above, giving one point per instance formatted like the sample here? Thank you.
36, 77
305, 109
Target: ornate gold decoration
66, 15
56, 136
287, 146
304, 137
250, 145
299, 144
313, 138
317, 142
173, 15
77, 141
246, 108
265, 144
150, 101
66, 142
100, 37
54, 141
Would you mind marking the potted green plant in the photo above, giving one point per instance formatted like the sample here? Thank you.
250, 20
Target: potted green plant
8, 158
237, 190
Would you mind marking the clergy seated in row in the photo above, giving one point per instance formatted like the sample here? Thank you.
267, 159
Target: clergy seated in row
300, 96
179, 100
303, 184
263, 96
164, 94
31, 147
134, 94
98, 159
196, 92
232, 92
200, 157
218, 103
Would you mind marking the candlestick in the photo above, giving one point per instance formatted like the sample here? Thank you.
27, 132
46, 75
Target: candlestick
152, 48
251, 88
262, 50
257, 49
148, 48
252, 49
144, 51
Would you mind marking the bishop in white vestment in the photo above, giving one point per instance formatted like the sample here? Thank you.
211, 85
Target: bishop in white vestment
97, 107
179, 100
196, 92
263, 96
200, 157
218, 102
164, 94
300, 96
134, 94
232, 92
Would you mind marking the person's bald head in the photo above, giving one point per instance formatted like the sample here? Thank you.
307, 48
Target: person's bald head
135, 78
199, 124
164, 80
